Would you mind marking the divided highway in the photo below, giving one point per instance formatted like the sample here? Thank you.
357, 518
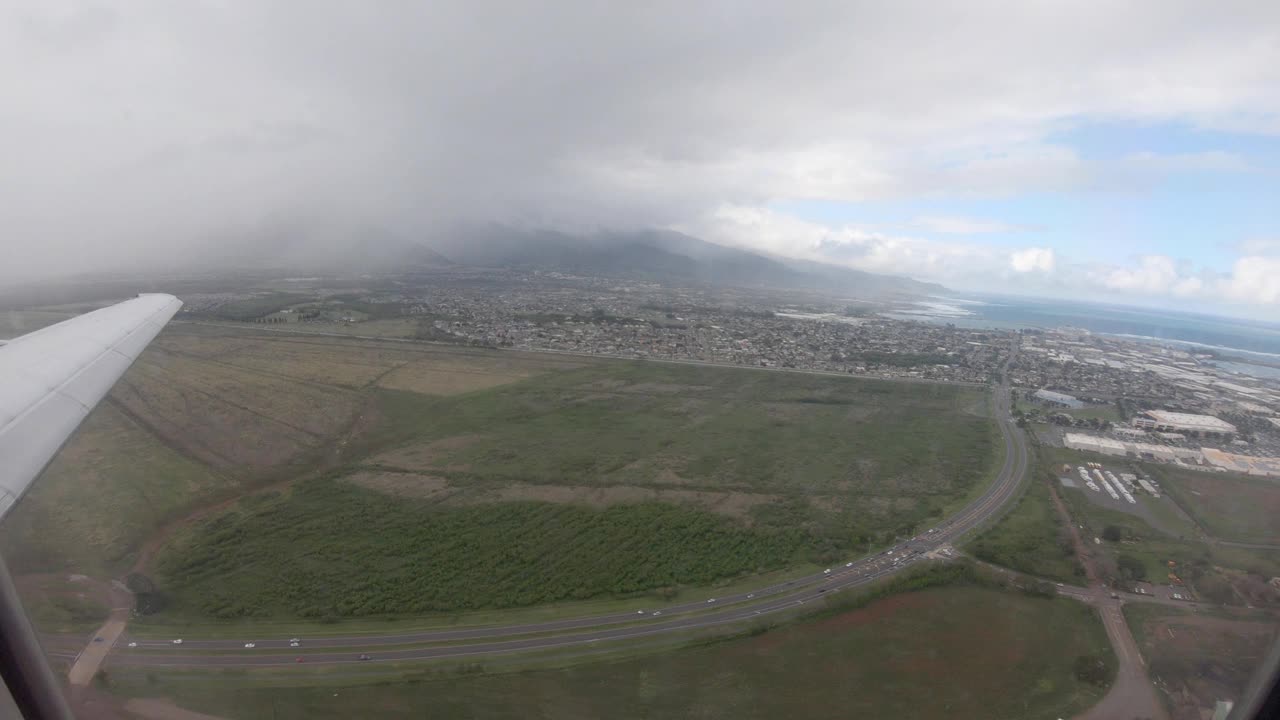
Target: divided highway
707, 613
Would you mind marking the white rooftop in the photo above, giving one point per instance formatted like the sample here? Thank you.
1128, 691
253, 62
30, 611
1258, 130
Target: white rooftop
1188, 421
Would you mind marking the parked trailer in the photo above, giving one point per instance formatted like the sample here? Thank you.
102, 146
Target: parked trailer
1148, 487
1110, 490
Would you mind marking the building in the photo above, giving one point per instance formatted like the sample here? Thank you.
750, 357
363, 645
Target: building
1124, 448
1056, 399
1164, 421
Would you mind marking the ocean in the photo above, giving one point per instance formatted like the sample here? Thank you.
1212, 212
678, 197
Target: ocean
1244, 338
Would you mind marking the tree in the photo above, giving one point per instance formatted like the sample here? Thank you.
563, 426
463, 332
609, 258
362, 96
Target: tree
1131, 568
1112, 533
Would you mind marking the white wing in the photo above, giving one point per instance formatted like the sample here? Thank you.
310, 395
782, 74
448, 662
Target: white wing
51, 379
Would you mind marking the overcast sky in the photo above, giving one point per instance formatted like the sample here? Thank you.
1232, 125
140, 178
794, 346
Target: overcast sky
1124, 151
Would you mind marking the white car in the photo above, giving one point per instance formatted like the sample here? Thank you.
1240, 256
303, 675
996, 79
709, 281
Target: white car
250, 645
294, 643
639, 612
294, 640
657, 613
750, 595
133, 644
827, 571
848, 564
711, 600
178, 641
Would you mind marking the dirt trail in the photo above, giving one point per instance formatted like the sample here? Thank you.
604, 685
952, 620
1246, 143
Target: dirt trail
1131, 696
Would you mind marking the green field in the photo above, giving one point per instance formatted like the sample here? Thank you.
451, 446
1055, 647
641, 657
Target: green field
1030, 538
1229, 506
611, 480
331, 549
951, 652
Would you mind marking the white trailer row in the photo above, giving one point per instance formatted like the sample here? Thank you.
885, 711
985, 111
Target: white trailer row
1088, 481
1149, 487
1125, 489
1106, 485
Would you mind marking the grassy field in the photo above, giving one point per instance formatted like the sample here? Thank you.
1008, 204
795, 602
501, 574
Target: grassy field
1030, 538
1227, 505
105, 492
634, 477
1196, 660
952, 652
739, 472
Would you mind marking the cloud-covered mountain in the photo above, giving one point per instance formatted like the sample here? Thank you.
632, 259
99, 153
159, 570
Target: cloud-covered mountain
663, 256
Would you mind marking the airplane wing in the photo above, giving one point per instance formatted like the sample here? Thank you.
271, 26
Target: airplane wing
50, 379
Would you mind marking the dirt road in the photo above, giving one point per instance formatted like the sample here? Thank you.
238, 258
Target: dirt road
1132, 695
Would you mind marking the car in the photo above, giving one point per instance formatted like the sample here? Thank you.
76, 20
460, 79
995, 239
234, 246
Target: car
711, 600
133, 644
299, 659
98, 639
178, 641
827, 571
848, 564
250, 645
294, 640
822, 591
639, 612
294, 643
656, 613
365, 657
750, 595
1060, 585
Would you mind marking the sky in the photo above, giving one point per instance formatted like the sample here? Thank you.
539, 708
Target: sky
1121, 152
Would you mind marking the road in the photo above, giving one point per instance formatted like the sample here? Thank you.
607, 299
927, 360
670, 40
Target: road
1131, 695
708, 613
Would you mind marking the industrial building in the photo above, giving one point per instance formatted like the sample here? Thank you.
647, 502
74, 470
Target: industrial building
1057, 399
1246, 464
1109, 446
1165, 421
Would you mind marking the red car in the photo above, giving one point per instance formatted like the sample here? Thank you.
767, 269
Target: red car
300, 659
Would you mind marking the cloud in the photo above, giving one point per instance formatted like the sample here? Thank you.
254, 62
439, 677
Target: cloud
776, 233
980, 266
1032, 260
1254, 280
138, 130
952, 225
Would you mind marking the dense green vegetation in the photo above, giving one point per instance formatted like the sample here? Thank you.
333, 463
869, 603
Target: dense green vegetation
944, 652
331, 549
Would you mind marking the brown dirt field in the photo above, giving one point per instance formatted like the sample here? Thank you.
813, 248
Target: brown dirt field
328, 363
424, 456
228, 417
411, 485
1204, 659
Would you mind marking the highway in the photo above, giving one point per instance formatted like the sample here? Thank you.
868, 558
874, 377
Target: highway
704, 613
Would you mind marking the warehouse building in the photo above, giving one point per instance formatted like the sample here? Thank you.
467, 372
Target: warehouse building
1175, 422
1056, 399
